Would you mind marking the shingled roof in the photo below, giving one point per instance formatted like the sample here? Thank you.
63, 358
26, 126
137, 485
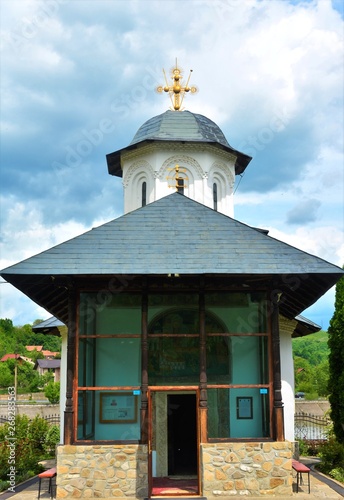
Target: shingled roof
185, 127
49, 326
174, 235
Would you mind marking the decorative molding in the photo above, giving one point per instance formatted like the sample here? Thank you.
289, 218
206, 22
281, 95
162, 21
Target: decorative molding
134, 167
225, 171
287, 325
183, 161
191, 148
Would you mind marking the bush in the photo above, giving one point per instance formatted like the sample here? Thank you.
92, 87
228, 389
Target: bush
303, 448
30, 447
52, 392
52, 439
338, 474
308, 448
332, 458
38, 430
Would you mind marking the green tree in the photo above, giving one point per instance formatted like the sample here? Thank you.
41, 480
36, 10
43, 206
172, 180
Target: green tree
14, 339
6, 377
303, 375
322, 378
336, 357
28, 378
52, 392
34, 355
7, 340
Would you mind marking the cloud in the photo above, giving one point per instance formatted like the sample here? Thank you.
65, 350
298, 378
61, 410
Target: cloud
304, 212
78, 80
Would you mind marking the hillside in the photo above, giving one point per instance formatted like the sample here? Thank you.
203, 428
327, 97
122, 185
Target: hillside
311, 364
13, 340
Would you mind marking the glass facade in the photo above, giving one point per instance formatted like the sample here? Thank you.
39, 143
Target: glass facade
238, 413
109, 356
235, 352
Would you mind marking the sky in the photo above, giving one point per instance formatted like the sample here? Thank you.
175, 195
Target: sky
78, 79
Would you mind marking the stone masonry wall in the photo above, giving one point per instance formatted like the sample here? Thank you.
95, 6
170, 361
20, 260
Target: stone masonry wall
102, 471
231, 469
227, 469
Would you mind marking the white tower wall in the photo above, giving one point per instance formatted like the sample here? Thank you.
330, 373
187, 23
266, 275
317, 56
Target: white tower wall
200, 166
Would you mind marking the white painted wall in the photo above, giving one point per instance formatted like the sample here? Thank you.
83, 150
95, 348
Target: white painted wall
63, 378
287, 376
201, 166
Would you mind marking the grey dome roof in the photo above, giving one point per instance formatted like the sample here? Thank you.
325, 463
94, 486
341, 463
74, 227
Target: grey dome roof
178, 126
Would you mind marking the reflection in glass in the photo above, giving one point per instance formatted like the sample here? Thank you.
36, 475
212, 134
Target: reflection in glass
173, 360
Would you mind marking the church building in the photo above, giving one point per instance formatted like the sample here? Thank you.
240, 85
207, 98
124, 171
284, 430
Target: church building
178, 374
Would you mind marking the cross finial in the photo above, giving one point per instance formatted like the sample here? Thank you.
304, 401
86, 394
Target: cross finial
176, 90
178, 181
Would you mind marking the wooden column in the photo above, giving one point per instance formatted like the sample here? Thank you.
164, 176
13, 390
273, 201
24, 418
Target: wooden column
203, 400
278, 413
69, 410
144, 369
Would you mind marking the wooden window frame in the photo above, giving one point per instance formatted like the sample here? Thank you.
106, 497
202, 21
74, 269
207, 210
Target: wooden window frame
203, 386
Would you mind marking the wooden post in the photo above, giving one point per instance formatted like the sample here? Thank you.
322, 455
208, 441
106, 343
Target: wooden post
278, 413
144, 369
203, 400
69, 410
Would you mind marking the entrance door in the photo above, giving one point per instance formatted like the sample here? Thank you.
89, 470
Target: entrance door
182, 434
173, 442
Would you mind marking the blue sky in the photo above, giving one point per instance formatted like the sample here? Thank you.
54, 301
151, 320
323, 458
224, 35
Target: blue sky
78, 80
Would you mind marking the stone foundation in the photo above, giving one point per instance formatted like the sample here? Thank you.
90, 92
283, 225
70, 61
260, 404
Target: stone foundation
121, 471
102, 471
230, 469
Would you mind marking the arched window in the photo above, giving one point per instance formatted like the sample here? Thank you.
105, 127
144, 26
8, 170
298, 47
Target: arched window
215, 195
144, 193
180, 185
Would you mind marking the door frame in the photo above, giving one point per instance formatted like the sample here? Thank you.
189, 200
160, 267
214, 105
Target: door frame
172, 390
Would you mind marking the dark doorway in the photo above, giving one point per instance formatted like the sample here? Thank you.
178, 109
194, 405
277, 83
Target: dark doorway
182, 434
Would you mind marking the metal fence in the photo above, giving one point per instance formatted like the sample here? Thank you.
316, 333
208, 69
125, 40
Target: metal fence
307, 427
311, 427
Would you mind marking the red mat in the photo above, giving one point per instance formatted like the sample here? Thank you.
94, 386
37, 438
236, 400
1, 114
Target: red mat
169, 486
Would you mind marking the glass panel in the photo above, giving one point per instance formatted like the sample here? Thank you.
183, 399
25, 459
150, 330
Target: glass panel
118, 362
85, 415
218, 413
244, 424
174, 314
249, 360
238, 413
109, 362
144, 194
106, 313
86, 368
219, 360
239, 312
173, 360
108, 416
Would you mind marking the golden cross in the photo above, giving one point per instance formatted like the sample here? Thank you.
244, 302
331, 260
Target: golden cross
179, 181
176, 90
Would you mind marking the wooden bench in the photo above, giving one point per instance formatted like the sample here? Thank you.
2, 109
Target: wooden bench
300, 469
48, 474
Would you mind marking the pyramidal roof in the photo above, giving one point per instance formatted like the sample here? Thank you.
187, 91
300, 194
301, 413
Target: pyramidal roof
174, 235
179, 126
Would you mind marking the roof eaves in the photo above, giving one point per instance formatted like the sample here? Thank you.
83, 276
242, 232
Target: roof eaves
114, 159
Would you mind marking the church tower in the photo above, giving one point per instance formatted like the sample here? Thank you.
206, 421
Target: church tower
178, 150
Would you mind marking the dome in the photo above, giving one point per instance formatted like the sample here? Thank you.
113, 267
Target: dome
180, 126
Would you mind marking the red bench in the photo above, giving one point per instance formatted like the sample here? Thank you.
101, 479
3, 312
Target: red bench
300, 469
48, 474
